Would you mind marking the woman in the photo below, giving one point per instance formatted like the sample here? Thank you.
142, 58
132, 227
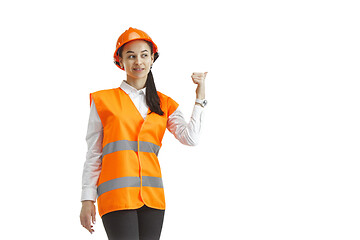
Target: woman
126, 126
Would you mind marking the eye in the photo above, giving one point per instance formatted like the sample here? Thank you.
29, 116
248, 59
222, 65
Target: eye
131, 56
144, 55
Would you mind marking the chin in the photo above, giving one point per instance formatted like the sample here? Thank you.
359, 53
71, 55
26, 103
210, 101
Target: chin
138, 76
141, 74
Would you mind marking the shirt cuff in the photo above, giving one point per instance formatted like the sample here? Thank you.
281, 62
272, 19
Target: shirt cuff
89, 194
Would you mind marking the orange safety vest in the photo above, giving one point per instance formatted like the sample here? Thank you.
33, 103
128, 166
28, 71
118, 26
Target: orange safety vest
130, 174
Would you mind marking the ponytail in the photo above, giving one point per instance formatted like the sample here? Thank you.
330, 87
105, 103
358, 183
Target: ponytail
152, 98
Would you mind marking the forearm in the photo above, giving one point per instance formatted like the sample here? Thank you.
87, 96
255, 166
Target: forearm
186, 132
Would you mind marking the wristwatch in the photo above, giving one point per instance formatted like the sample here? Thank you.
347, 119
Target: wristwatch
201, 102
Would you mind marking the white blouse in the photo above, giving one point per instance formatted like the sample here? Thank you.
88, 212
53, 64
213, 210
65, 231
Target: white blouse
186, 133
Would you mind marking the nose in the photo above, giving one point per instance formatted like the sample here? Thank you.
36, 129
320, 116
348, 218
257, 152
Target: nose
138, 60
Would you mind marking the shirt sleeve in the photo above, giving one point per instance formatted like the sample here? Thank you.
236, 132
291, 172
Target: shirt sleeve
92, 165
186, 133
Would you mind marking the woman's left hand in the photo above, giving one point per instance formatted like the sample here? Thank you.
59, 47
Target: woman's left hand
199, 79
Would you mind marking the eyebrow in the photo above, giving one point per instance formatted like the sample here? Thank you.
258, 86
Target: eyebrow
141, 51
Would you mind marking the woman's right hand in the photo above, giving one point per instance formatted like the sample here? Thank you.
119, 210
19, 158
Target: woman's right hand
87, 215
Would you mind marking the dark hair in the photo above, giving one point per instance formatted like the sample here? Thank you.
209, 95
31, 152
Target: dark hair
152, 97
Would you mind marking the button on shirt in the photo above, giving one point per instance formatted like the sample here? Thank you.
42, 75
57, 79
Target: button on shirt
186, 133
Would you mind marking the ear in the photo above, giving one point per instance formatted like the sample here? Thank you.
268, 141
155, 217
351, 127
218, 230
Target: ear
121, 61
152, 58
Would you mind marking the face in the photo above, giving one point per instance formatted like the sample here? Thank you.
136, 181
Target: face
137, 59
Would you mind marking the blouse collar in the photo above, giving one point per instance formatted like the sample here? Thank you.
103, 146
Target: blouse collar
131, 90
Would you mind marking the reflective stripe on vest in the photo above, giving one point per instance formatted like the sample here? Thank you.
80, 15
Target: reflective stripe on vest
129, 182
130, 145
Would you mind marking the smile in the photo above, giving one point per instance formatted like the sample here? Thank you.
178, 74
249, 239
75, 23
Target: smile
138, 69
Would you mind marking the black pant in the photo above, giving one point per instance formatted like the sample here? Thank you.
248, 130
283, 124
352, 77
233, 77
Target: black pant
144, 223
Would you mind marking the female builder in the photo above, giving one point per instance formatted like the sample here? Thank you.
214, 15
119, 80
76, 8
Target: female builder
126, 126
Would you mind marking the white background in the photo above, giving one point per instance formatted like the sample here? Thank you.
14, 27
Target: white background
279, 151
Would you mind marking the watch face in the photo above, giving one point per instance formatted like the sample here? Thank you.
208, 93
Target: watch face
204, 103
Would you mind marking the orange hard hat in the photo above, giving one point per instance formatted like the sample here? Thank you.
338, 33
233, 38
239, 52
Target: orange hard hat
130, 35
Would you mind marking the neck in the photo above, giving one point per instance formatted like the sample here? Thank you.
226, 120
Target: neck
138, 83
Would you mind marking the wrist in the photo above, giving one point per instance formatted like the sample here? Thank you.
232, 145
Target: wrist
200, 97
200, 91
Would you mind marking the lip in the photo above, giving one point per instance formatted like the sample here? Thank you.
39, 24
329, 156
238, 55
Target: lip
138, 69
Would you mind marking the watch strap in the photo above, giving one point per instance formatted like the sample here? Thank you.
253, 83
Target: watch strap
201, 102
